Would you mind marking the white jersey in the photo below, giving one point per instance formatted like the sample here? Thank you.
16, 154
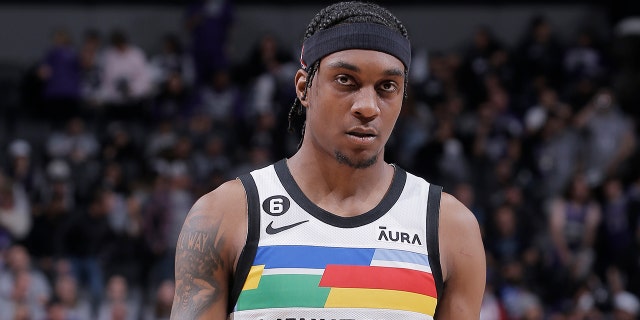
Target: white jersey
302, 262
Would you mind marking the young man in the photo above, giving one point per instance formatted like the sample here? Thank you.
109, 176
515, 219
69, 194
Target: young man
334, 232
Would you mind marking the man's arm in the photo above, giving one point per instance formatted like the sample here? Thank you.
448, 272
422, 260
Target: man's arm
206, 253
463, 262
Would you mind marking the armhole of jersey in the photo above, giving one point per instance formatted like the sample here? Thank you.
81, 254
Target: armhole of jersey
253, 236
433, 243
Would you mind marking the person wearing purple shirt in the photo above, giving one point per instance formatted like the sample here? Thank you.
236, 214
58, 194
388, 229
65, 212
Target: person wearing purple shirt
208, 22
60, 72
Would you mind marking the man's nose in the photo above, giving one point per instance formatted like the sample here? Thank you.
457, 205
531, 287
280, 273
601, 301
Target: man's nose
365, 106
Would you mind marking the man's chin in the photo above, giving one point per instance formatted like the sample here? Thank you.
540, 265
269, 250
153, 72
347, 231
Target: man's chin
359, 163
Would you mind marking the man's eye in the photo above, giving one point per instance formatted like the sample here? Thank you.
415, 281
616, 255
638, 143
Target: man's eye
343, 80
389, 87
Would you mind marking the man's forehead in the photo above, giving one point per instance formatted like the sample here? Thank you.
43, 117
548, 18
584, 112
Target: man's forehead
357, 59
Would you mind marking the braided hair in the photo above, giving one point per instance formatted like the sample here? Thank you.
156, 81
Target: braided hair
339, 13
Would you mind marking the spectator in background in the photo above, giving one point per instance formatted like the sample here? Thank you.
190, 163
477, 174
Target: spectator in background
22, 169
121, 146
120, 302
160, 140
415, 124
124, 255
75, 143
609, 136
176, 161
214, 158
492, 308
257, 156
56, 311
115, 193
84, 242
466, 194
172, 60
477, 64
540, 54
17, 303
199, 127
634, 224
209, 24
126, 79
174, 100
271, 70
573, 224
580, 92
161, 303
625, 50
489, 130
584, 59
45, 239
67, 295
156, 230
262, 136
266, 56
61, 73
536, 115
626, 305
617, 232
15, 209
587, 66
113, 179
22, 286
58, 186
508, 237
442, 160
487, 134
164, 211
440, 80
553, 153
221, 100
92, 64
79, 148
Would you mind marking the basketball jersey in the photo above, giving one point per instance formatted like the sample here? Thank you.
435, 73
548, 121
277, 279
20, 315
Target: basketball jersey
302, 262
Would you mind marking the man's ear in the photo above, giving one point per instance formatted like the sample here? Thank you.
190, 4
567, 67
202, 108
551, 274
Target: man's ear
301, 84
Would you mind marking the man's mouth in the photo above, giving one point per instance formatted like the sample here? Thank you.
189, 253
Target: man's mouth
361, 134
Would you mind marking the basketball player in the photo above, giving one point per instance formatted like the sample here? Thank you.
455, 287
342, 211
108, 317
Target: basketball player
334, 232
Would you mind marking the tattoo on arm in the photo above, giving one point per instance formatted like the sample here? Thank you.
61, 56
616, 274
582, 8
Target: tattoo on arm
198, 259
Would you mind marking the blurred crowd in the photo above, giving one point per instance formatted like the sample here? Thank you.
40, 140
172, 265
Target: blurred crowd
111, 145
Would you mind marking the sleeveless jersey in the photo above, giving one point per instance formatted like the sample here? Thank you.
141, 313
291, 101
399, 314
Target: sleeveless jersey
302, 262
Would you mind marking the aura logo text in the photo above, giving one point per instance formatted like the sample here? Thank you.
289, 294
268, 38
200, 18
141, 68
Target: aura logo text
397, 236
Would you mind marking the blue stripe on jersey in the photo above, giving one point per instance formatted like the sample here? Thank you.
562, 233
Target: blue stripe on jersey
401, 256
312, 257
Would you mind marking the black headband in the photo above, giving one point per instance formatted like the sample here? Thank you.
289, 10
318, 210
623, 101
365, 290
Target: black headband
366, 36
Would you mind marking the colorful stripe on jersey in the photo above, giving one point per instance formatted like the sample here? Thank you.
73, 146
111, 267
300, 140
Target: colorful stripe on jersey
330, 277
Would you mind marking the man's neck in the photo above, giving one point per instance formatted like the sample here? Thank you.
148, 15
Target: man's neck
339, 188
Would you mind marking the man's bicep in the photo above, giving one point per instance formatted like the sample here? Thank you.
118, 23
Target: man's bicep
466, 264
463, 292
201, 269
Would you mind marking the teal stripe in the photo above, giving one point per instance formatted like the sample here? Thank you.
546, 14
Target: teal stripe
284, 291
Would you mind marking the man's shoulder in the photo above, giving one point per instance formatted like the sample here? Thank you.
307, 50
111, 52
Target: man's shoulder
228, 198
455, 213
222, 211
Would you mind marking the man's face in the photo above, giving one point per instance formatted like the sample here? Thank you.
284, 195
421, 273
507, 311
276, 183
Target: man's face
353, 104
